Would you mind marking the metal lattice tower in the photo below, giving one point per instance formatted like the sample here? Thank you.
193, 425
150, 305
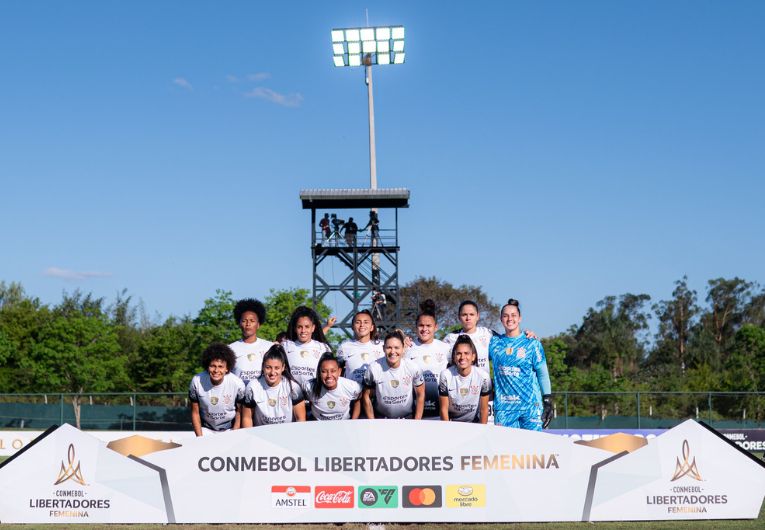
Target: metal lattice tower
369, 260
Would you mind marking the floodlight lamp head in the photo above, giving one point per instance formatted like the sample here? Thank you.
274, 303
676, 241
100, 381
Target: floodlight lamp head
368, 46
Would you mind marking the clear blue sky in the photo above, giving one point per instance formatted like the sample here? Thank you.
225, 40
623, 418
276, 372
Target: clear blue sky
556, 152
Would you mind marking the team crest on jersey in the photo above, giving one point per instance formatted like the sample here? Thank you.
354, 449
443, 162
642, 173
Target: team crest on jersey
251, 357
464, 392
344, 401
426, 359
509, 350
475, 389
283, 401
331, 404
521, 353
407, 380
394, 383
271, 402
440, 357
227, 399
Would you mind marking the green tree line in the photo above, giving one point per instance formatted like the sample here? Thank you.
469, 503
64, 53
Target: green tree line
712, 342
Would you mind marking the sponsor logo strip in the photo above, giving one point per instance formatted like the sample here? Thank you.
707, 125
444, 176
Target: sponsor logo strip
333, 497
290, 496
378, 497
466, 496
421, 496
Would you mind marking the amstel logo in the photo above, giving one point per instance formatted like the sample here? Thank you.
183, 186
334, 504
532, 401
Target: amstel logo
686, 467
422, 496
71, 471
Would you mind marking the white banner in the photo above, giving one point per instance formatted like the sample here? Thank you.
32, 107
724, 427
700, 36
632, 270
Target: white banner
381, 470
12, 441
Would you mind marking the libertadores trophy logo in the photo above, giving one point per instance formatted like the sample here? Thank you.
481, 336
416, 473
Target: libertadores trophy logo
686, 467
71, 471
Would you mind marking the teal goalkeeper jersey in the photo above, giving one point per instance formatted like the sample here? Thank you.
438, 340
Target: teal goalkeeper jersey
516, 361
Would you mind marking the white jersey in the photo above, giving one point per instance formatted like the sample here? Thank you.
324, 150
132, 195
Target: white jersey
480, 337
431, 359
304, 358
217, 403
394, 388
271, 404
464, 393
249, 358
333, 404
357, 356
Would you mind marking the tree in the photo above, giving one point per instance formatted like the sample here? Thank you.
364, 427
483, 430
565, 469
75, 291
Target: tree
676, 318
611, 335
447, 298
166, 358
21, 319
215, 321
77, 351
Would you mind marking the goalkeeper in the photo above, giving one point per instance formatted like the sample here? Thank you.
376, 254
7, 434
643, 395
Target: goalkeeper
523, 396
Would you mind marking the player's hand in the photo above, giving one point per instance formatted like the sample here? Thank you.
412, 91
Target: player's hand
530, 334
547, 410
331, 321
408, 342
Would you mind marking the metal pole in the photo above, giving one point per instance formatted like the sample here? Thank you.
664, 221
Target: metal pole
372, 170
61, 401
565, 405
135, 409
638, 408
371, 105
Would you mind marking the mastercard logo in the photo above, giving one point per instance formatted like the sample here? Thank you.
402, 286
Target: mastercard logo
422, 497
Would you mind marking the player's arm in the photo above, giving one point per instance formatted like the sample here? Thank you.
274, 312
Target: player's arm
247, 413
196, 418
330, 322
237, 417
483, 409
443, 407
355, 409
298, 410
543, 376
366, 398
419, 396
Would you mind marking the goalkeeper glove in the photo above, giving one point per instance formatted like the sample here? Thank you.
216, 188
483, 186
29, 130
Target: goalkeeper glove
547, 410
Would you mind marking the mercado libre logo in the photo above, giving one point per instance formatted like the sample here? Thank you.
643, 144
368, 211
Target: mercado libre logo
70, 471
466, 496
378, 497
687, 467
333, 497
421, 496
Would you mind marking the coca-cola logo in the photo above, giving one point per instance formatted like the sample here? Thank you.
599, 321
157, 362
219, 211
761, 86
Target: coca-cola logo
333, 497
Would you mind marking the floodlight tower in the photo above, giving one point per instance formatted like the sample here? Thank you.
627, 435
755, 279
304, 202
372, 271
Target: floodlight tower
367, 47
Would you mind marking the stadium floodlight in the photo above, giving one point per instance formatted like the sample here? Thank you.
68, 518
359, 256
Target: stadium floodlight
368, 47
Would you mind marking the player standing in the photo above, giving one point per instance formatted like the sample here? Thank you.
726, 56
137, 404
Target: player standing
463, 387
249, 314
216, 394
364, 348
430, 354
305, 344
395, 382
275, 397
332, 397
523, 395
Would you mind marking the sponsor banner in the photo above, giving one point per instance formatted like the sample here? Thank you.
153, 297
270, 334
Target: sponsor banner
749, 439
689, 472
594, 434
12, 441
71, 477
346, 471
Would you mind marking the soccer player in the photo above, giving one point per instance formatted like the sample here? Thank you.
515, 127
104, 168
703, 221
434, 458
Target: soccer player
395, 382
463, 387
364, 348
305, 344
469, 317
522, 391
332, 397
249, 314
430, 354
275, 397
216, 394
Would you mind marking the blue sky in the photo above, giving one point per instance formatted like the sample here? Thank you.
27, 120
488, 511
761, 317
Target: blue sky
556, 152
